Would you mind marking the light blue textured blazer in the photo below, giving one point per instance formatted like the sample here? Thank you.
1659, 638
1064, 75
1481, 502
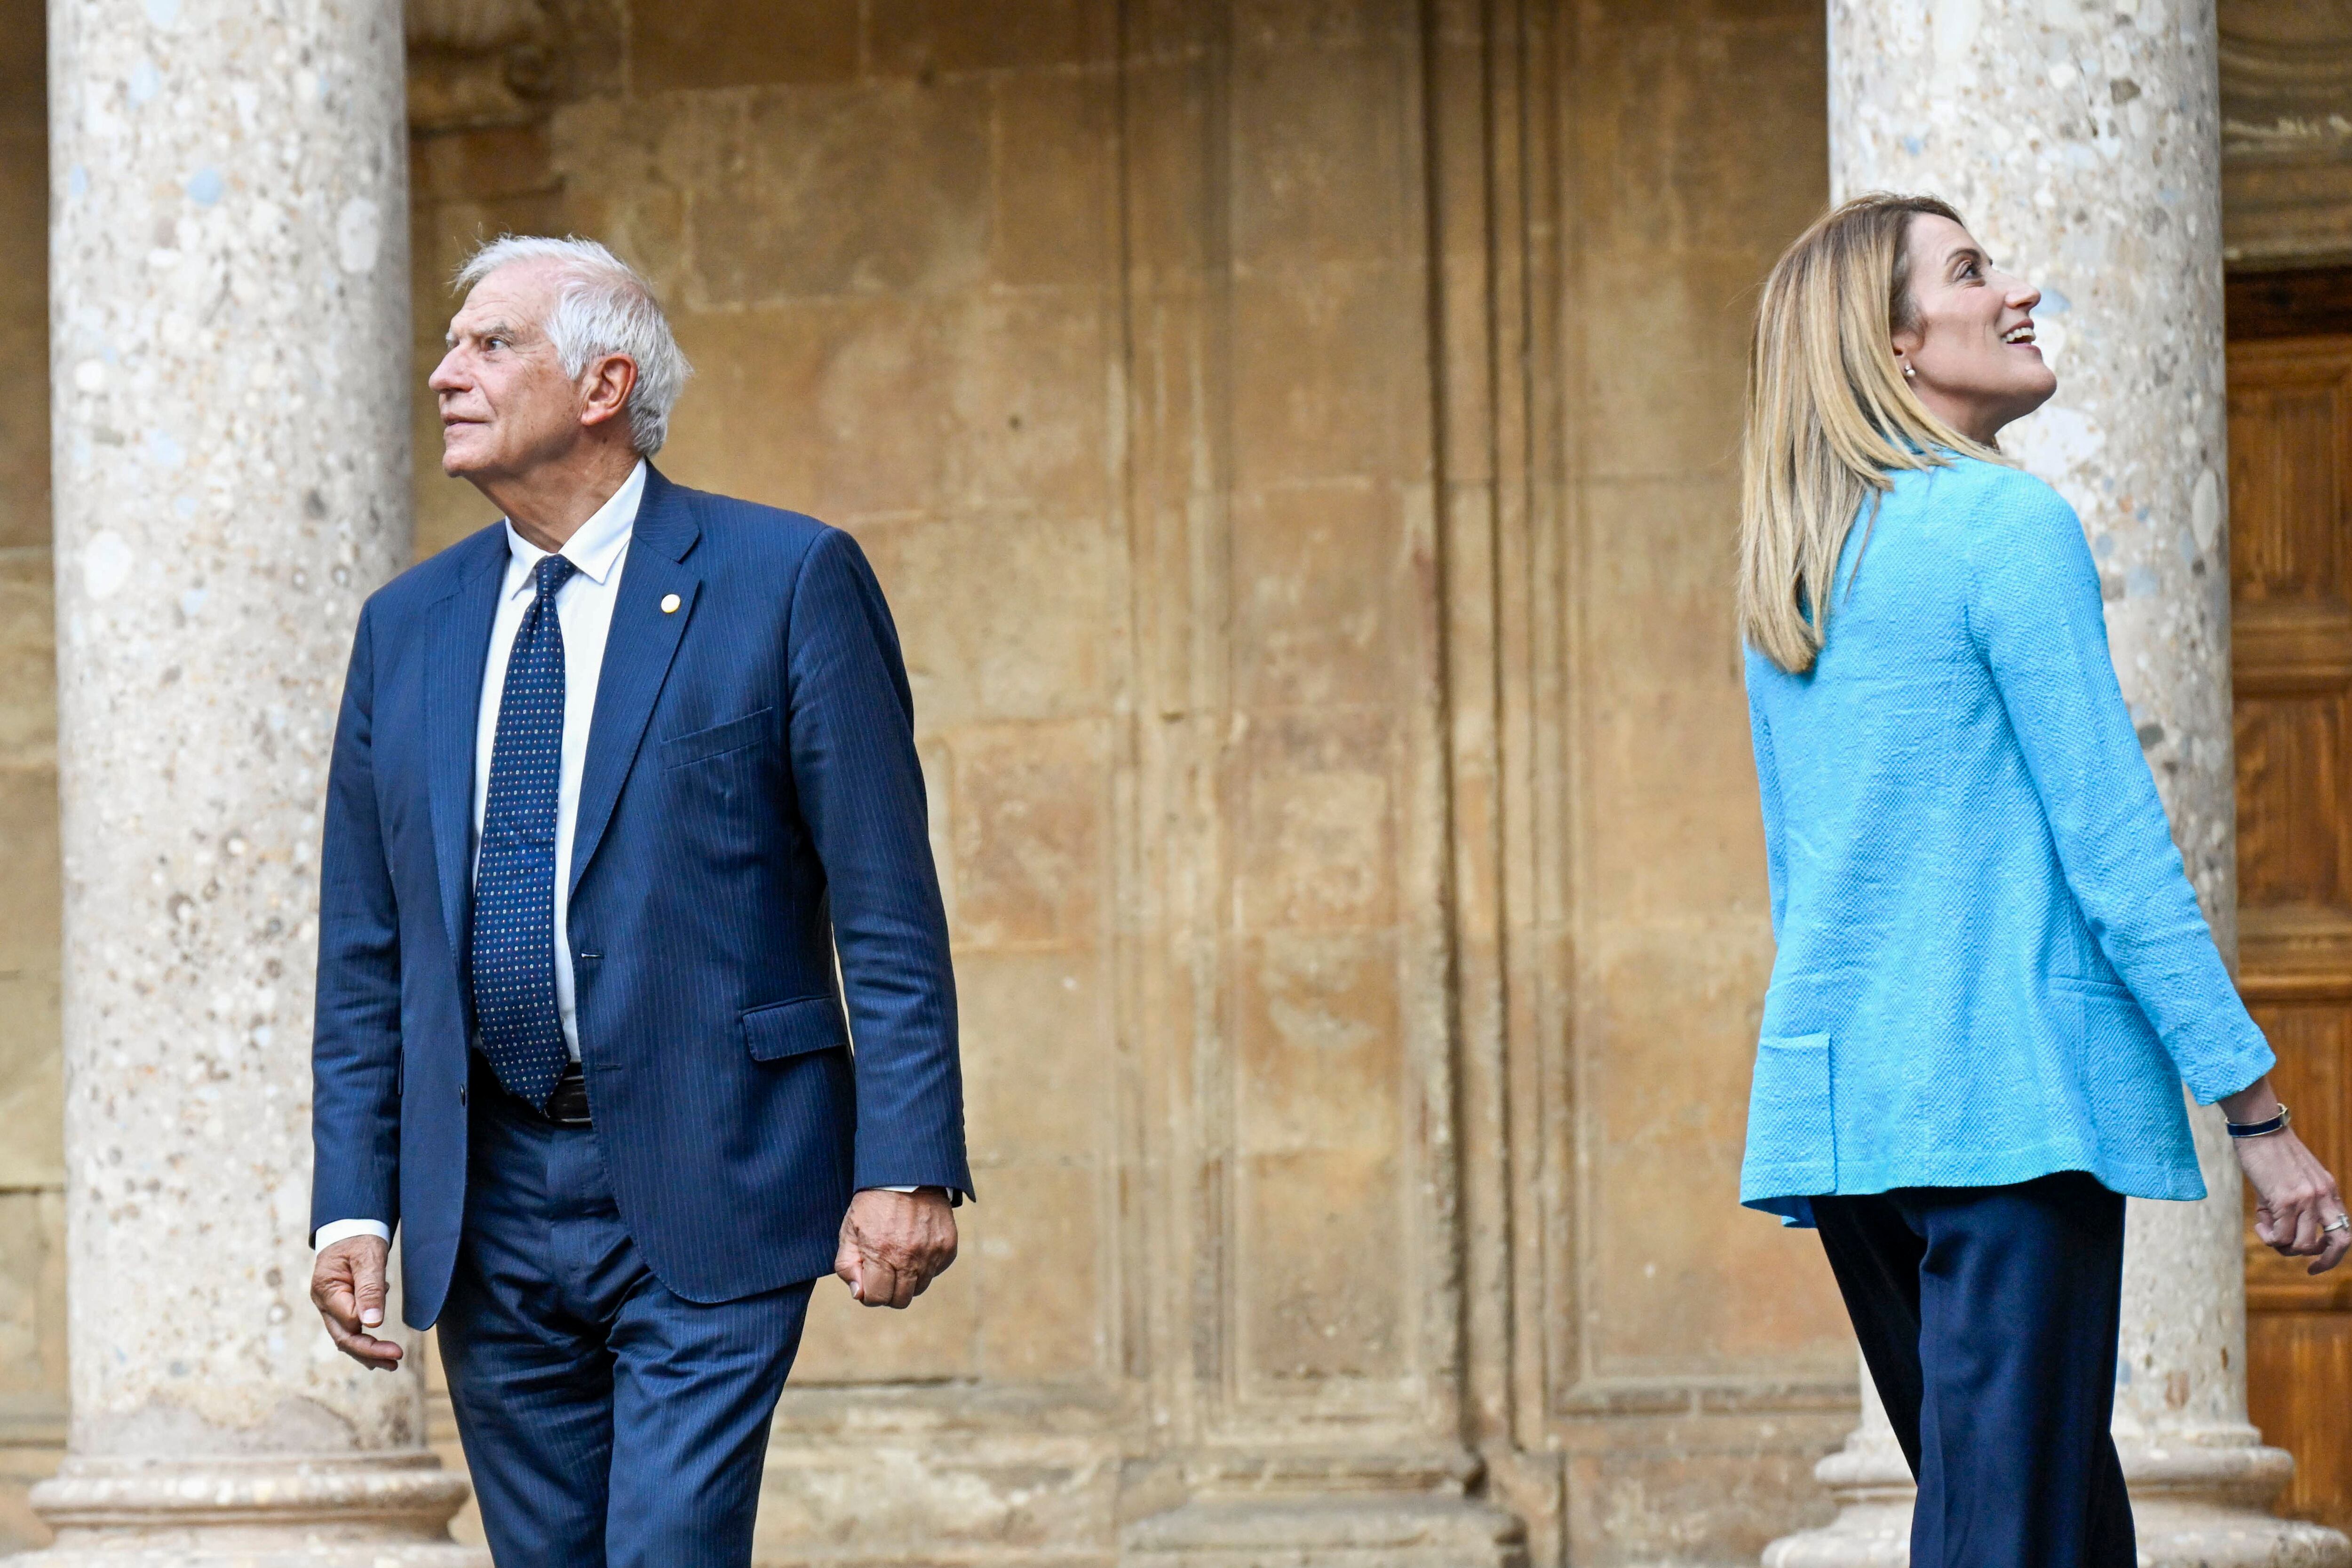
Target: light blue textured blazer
1991, 966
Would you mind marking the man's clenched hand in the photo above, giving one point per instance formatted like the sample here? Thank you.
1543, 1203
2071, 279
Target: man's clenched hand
347, 1287
894, 1244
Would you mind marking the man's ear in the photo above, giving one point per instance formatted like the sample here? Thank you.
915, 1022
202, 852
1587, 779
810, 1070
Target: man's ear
607, 384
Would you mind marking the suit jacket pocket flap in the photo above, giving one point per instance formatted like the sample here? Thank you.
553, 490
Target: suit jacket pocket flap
792, 1029
733, 736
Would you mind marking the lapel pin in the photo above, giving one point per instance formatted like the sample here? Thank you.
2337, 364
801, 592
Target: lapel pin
670, 603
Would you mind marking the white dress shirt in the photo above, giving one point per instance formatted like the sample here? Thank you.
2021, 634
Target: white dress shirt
583, 605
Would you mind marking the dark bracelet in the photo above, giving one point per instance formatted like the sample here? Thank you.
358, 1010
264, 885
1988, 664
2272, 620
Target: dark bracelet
2263, 1129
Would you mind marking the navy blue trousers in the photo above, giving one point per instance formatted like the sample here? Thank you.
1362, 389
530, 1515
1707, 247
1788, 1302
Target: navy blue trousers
1988, 1316
607, 1420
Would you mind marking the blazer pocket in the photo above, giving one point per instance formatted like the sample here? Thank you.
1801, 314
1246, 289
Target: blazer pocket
793, 1029
1790, 1122
700, 745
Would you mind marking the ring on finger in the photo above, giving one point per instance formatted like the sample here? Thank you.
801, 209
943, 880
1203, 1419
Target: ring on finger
2341, 1222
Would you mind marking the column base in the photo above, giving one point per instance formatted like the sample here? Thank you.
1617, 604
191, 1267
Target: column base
1375, 1519
345, 1510
2208, 1506
1870, 1484
2192, 1507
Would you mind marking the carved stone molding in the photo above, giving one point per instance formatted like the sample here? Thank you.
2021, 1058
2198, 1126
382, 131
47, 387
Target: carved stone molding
2286, 132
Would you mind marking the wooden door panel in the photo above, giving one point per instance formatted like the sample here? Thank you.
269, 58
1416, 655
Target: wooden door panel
2292, 851
2298, 1366
2291, 662
2286, 450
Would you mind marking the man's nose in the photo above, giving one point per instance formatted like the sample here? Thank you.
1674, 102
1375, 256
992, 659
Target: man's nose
445, 377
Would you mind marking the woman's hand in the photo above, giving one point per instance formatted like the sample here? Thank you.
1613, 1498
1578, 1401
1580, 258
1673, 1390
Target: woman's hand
2295, 1199
2298, 1211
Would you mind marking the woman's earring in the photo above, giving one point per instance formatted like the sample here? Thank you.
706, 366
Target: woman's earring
1908, 373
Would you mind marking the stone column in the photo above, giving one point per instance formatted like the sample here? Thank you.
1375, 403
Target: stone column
230, 354
2081, 143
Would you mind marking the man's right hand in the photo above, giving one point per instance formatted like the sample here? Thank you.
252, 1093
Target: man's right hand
347, 1287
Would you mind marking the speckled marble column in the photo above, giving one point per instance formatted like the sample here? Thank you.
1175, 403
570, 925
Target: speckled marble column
2081, 143
230, 359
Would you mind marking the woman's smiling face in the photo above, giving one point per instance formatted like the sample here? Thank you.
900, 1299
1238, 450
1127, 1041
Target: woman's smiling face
1969, 349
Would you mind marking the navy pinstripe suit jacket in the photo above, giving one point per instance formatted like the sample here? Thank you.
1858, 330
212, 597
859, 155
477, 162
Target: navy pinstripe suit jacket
751, 802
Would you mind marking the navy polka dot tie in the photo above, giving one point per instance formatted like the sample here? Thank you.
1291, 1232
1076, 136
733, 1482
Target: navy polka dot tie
514, 879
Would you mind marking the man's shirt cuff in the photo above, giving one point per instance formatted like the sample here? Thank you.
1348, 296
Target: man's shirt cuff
955, 1198
344, 1229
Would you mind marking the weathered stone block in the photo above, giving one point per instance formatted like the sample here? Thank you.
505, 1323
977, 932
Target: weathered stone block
1322, 1294
1320, 156
868, 188
874, 1475
1045, 1268
28, 662
1664, 376
1037, 1080
1031, 401
1318, 1042
919, 37
1324, 375
24, 326
1026, 636
1318, 570
1264, 23
683, 44
1029, 831
32, 1295
848, 1342
1315, 830
1365, 1530
836, 407
1697, 1491
32, 1062
1055, 198
1652, 1016
1709, 113
482, 162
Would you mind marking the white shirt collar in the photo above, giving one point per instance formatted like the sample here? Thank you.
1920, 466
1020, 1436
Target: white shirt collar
595, 547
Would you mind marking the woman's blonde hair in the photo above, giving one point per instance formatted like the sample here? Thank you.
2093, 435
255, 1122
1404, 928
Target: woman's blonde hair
1829, 416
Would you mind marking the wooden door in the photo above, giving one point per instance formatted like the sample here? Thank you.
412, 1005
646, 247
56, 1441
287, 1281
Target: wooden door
2291, 583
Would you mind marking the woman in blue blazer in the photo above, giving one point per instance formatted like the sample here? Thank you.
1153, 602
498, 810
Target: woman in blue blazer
1992, 977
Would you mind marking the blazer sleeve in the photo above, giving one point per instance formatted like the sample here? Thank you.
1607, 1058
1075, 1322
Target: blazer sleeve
861, 793
2034, 617
355, 1040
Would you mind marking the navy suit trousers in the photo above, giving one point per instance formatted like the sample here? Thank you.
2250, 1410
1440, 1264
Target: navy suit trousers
607, 1420
1987, 1317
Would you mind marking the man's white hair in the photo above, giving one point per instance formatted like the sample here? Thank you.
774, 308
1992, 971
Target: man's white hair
601, 307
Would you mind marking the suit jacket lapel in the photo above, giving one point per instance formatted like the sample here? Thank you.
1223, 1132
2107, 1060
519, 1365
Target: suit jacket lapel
452, 715
637, 654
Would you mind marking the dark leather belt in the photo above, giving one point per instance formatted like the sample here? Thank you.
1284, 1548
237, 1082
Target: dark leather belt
568, 1106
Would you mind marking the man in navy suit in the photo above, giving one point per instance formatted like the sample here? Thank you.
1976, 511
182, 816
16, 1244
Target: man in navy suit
615, 784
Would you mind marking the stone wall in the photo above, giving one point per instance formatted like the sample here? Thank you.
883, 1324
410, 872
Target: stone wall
1297, 439
1697, 1361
